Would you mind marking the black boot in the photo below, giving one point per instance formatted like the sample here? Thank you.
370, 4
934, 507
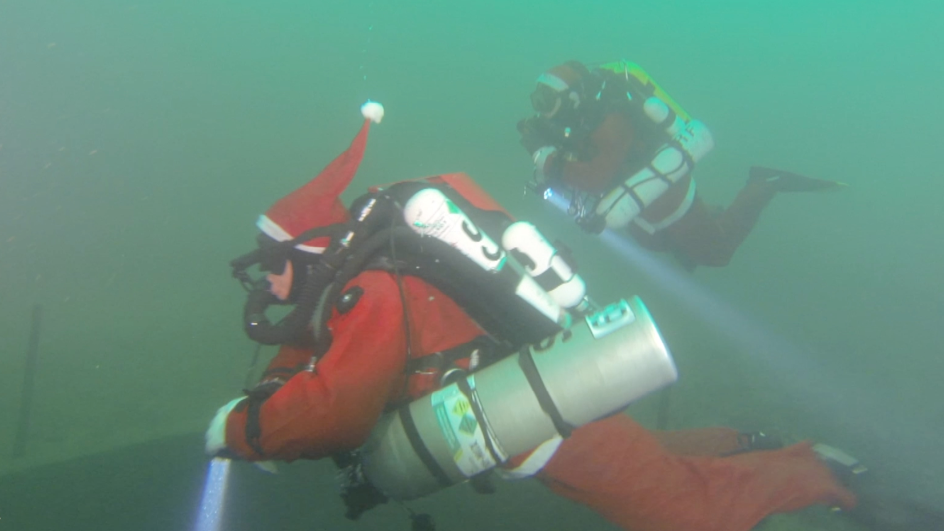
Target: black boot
883, 508
756, 441
880, 507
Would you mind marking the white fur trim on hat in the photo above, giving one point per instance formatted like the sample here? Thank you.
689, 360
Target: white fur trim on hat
277, 233
373, 111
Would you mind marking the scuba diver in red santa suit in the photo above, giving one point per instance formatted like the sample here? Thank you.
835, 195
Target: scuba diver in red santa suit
389, 312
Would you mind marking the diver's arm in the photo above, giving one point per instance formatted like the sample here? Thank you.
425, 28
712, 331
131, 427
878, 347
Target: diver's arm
316, 414
531, 136
611, 143
287, 362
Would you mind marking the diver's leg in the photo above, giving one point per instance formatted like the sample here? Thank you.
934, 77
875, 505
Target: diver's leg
709, 237
620, 470
716, 441
880, 507
699, 442
885, 509
661, 243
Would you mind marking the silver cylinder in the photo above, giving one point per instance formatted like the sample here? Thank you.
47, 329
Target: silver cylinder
594, 369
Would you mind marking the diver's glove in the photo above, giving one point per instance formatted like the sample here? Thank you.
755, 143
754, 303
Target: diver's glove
530, 132
216, 437
216, 433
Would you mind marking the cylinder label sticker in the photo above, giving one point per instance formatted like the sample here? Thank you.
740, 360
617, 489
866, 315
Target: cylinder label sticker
610, 319
430, 213
462, 431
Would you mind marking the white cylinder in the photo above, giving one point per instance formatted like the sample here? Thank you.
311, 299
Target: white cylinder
544, 263
430, 213
619, 207
658, 111
696, 139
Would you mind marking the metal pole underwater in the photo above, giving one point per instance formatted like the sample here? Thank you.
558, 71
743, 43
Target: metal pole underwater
29, 378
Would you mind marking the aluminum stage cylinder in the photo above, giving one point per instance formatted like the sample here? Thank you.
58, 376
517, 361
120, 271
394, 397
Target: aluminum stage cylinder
596, 368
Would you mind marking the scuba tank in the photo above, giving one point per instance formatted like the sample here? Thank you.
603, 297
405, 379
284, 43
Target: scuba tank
672, 162
430, 213
542, 261
663, 116
687, 142
608, 360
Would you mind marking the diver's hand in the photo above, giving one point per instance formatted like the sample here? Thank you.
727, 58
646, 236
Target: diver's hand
530, 135
216, 437
216, 433
545, 164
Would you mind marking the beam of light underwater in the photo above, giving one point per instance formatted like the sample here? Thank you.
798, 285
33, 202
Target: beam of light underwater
750, 336
210, 517
828, 396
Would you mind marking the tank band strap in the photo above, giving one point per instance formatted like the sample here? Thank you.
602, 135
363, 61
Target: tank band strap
466, 389
526, 362
549, 279
413, 435
253, 428
255, 397
443, 360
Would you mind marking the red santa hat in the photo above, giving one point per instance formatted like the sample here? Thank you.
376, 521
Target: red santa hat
317, 203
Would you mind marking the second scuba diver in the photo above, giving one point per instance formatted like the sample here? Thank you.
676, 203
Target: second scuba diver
620, 152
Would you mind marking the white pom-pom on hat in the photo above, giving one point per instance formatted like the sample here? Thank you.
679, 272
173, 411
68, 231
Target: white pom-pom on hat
373, 111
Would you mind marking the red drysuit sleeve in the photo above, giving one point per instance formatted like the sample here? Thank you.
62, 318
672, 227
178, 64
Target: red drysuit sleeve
289, 360
610, 145
316, 414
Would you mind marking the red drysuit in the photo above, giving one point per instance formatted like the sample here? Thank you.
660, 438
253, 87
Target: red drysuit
639, 480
